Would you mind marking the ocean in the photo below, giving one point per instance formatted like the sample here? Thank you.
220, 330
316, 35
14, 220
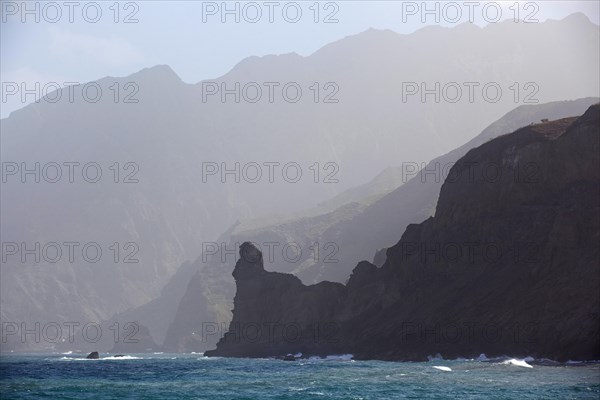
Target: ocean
193, 376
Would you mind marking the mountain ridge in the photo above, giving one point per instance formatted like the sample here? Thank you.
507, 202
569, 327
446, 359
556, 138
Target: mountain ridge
170, 132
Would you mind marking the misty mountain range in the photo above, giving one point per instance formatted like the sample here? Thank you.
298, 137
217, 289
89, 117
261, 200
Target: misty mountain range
172, 212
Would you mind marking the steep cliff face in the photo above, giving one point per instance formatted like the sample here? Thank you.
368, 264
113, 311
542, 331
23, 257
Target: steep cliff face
273, 310
509, 262
507, 266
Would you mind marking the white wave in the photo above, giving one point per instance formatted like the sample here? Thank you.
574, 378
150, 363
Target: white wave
333, 357
339, 357
442, 368
68, 352
517, 363
101, 358
122, 358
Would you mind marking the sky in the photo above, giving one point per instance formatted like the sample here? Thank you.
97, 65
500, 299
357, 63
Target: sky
81, 41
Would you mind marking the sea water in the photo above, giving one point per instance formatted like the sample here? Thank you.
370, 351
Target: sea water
193, 376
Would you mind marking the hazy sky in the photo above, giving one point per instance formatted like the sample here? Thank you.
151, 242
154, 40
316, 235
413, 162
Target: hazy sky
191, 37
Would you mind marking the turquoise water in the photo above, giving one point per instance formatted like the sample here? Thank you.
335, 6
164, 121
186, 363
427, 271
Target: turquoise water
177, 376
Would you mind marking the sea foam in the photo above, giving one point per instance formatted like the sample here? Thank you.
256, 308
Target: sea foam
517, 363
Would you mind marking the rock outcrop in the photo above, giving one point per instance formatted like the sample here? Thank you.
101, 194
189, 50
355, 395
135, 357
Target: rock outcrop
508, 265
273, 310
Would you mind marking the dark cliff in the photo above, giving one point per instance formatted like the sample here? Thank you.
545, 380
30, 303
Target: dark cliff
273, 310
507, 266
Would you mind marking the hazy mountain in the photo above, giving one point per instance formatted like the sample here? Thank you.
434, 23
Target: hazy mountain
176, 127
386, 181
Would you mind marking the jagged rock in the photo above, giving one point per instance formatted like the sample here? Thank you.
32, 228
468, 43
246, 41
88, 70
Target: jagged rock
508, 265
275, 311
94, 355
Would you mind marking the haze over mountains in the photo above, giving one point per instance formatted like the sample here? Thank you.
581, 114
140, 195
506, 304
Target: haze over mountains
175, 127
